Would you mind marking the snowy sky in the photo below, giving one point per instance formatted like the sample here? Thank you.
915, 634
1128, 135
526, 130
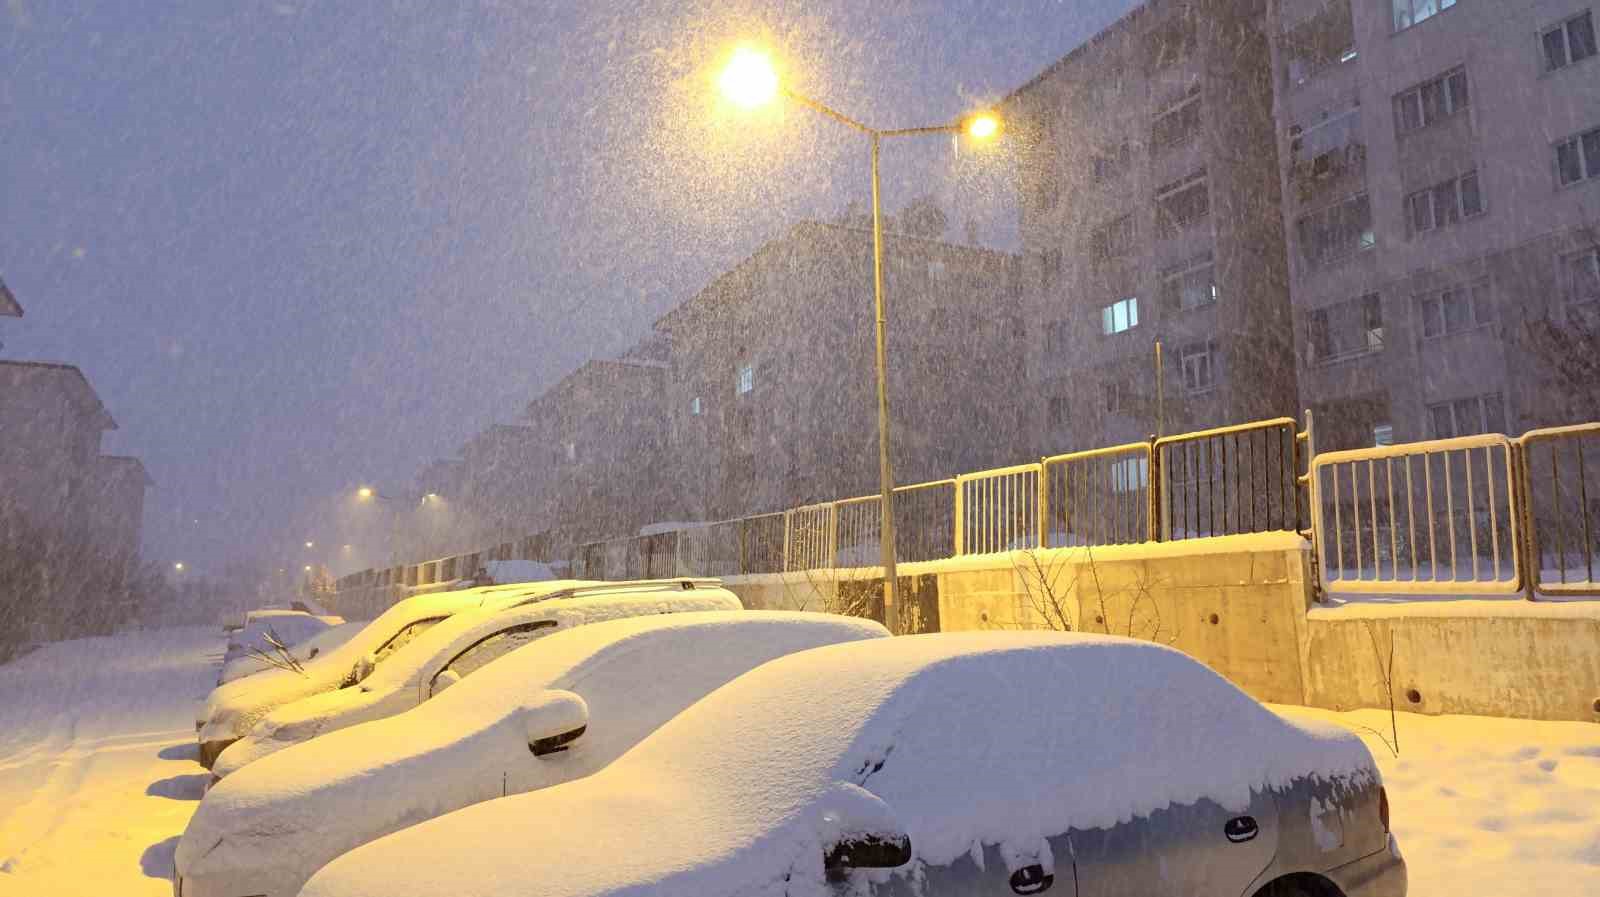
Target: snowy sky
298, 246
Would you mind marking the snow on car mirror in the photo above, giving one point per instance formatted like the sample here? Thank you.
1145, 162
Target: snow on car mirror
554, 721
859, 831
445, 679
363, 668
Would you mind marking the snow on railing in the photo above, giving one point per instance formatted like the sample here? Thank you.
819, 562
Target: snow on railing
1436, 517
1098, 497
998, 510
1561, 501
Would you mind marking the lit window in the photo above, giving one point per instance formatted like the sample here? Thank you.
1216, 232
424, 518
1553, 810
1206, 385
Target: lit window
1578, 158
1445, 204
1383, 434
695, 406
1571, 41
1410, 12
1432, 102
747, 378
1120, 316
1130, 474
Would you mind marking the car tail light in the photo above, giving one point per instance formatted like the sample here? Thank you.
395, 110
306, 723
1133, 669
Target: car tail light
1383, 807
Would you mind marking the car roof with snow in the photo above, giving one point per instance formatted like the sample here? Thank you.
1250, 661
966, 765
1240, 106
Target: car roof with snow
959, 734
633, 673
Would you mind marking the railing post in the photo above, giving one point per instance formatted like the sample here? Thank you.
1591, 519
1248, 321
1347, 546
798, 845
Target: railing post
1155, 489
1526, 544
1042, 506
833, 534
787, 517
960, 527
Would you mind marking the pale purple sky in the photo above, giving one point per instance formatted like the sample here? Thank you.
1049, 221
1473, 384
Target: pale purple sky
298, 245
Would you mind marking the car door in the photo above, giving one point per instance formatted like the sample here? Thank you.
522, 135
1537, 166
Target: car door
1201, 849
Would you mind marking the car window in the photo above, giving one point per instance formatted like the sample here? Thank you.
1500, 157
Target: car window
404, 637
497, 645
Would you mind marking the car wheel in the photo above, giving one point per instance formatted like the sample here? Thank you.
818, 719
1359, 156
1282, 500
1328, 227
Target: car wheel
1300, 886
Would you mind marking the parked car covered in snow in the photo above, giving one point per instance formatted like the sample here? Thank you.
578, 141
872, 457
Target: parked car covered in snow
457, 647
969, 763
538, 716
231, 710
301, 651
261, 627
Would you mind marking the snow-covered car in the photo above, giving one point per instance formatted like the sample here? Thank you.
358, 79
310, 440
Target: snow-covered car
302, 651
457, 647
231, 710
963, 763
288, 627
507, 730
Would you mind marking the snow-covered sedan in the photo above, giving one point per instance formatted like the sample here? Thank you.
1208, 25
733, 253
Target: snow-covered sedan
964, 763
303, 643
540, 716
231, 710
460, 645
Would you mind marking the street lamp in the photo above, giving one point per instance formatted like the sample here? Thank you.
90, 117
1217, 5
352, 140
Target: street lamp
178, 566
750, 80
311, 544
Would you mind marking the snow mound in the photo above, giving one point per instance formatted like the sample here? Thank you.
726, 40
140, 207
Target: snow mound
970, 739
304, 650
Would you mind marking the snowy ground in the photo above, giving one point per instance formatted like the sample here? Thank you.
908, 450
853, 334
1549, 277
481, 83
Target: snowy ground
98, 778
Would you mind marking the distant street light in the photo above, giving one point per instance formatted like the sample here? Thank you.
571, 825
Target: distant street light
178, 566
308, 568
749, 80
311, 544
365, 493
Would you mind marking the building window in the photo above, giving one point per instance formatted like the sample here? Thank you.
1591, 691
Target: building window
1112, 164
1058, 412
572, 451
1445, 204
1177, 126
1431, 102
1182, 204
1578, 158
1571, 41
1171, 43
1383, 434
1410, 12
1341, 229
1120, 316
1328, 149
1130, 474
1468, 417
1199, 366
747, 378
1326, 39
1455, 309
1191, 284
696, 407
1583, 270
1350, 328
1113, 396
1055, 337
1049, 268
1115, 240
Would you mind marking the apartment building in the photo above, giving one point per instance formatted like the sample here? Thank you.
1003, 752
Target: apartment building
1151, 213
1441, 182
771, 389
116, 496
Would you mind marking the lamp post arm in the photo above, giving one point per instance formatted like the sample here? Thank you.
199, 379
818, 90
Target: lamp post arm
829, 111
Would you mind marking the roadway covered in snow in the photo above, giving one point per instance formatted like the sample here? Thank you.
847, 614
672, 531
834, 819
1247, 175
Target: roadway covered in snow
98, 778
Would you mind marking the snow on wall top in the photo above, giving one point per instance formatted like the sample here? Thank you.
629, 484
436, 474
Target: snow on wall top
300, 807
960, 734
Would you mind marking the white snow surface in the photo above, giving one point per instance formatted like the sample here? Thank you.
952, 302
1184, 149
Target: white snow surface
969, 738
401, 682
281, 818
303, 649
520, 571
232, 709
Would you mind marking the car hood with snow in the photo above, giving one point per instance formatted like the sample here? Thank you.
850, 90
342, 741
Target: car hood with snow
233, 709
266, 828
462, 644
301, 650
969, 745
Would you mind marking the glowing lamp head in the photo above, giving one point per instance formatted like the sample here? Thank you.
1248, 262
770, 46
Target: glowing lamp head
178, 566
311, 544
983, 126
749, 79
364, 492
308, 568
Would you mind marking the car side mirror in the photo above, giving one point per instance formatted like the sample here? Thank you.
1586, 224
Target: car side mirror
444, 680
859, 831
554, 721
365, 666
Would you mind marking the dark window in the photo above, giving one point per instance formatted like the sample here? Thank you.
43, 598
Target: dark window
1192, 284
1177, 126
1468, 417
1354, 327
1337, 231
1444, 204
1431, 102
1455, 309
1058, 412
1199, 362
1182, 205
1578, 158
1114, 240
1571, 41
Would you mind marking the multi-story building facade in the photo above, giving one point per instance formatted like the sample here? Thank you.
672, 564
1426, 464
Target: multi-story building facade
1441, 175
771, 396
1150, 213
116, 498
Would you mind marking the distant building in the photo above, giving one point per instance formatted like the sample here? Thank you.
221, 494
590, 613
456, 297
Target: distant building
1151, 211
771, 394
52, 420
116, 502
1442, 183
495, 468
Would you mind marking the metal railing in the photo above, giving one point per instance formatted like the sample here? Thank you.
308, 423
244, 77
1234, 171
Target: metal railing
1420, 518
998, 510
1098, 497
1560, 483
1229, 480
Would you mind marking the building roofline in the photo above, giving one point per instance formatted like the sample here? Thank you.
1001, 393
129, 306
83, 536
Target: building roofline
9, 306
129, 460
95, 406
1125, 21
